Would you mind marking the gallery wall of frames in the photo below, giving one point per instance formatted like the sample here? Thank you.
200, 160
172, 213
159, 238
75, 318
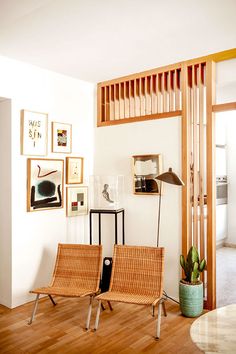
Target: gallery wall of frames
46, 176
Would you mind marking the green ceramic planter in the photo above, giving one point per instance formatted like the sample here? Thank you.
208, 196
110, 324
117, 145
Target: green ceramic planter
191, 299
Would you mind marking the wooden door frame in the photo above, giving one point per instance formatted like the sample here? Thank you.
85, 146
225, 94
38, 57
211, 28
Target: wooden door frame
211, 108
216, 108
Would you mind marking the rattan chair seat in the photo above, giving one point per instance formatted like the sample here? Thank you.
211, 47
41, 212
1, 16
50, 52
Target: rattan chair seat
67, 292
128, 298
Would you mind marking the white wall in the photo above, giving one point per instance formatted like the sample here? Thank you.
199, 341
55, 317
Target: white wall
226, 81
114, 147
5, 202
231, 157
35, 235
226, 92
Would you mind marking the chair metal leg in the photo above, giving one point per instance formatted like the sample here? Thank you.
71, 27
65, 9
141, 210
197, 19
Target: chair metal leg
103, 307
98, 315
34, 309
153, 311
159, 321
164, 308
89, 313
110, 307
51, 298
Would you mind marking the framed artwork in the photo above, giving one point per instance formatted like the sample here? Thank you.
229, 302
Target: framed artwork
74, 170
145, 170
34, 133
61, 137
45, 179
76, 201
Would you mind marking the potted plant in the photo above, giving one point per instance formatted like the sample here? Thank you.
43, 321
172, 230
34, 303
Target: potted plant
191, 287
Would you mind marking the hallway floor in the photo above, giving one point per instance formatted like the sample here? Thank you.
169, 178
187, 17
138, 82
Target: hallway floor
225, 276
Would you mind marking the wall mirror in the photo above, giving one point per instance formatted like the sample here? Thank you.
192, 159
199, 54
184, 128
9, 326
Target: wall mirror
145, 170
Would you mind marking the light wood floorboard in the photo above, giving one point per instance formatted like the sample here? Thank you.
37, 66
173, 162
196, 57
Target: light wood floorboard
128, 329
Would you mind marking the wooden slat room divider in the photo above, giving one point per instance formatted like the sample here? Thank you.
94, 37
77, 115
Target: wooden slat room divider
186, 89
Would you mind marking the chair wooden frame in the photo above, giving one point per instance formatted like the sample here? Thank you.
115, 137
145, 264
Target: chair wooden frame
137, 278
77, 273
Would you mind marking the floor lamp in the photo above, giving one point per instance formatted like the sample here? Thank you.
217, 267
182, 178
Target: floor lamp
172, 178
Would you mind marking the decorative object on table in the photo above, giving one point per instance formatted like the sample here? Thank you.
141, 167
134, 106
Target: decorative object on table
145, 170
44, 184
191, 287
106, 192
34, 133
61, 137
74, 170
76, 201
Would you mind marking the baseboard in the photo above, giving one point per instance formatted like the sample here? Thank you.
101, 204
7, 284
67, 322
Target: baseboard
220, 243
231, 245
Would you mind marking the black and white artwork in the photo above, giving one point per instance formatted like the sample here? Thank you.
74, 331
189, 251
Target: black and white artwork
45, 184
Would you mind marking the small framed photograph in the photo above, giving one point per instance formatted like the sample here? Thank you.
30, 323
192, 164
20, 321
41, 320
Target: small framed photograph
145, 170
74, 170
44, 184
34, 133
61, 137
76, 201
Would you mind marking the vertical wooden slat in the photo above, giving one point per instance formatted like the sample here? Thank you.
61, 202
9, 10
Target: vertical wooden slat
178, 73
147, 96
137, 98
191, 141
121, 101
112, 103
154, 94
117, 99
132, 98
142, 97
99, 104
186, 172
201, 164
159, 93
164, 90
105, 105
195, 160
211, 187
126, 99
171, 90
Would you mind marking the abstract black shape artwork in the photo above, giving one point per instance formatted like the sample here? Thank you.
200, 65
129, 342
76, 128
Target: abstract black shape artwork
45, 184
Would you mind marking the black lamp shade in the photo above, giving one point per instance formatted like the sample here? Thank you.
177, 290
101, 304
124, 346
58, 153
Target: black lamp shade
170, 177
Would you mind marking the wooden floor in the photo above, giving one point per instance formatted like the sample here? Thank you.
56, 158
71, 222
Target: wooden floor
128, 329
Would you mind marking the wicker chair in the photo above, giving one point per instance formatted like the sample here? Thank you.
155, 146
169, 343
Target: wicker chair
76, 274
137, 278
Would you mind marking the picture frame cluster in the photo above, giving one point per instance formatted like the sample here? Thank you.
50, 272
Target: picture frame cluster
45, 176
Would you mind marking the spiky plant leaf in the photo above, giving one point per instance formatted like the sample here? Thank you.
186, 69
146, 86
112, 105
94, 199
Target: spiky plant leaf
192, 255
202, 265
182, 261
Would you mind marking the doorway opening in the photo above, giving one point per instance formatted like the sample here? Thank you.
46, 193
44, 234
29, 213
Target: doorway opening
225, 152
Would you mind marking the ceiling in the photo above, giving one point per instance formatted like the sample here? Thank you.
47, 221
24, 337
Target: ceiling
97, 40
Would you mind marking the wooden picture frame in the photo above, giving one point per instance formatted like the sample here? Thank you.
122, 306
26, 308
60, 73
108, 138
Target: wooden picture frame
45, 184
145, 170
74, 170
34, 133
61, 137
76, 201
